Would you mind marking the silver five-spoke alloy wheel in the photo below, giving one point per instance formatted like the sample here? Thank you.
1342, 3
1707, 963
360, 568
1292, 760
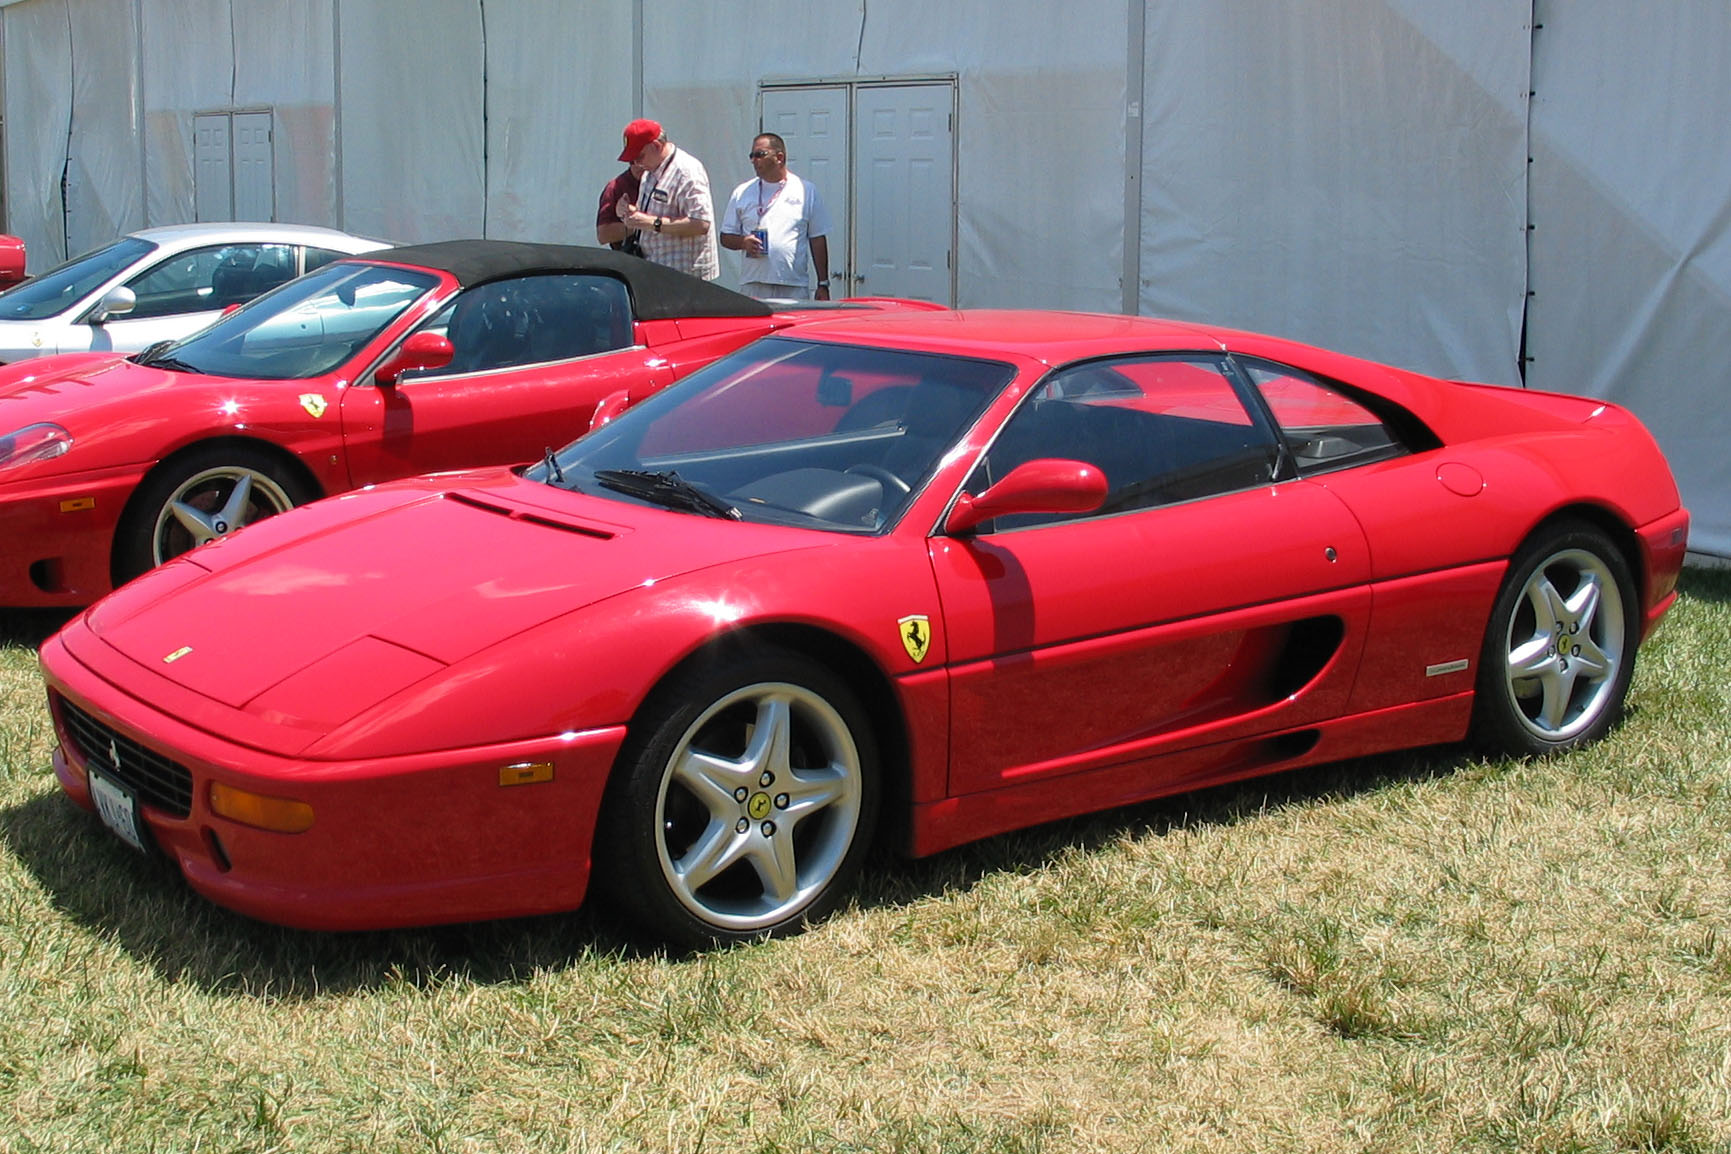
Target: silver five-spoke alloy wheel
211, 504
1560, 650
759, 806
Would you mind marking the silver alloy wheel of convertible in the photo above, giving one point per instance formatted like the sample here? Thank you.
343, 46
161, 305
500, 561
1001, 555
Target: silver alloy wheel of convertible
1567, 640
212, 503
758, 806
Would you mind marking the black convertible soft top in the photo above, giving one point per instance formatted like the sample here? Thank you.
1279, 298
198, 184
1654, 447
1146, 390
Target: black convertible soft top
658, 293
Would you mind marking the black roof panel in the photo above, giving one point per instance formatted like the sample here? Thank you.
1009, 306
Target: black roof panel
657, 292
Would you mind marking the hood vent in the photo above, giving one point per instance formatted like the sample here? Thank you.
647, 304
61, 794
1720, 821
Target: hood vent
541, 519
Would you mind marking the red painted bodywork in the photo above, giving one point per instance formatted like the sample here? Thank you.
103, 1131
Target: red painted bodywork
382, 655
11, 261
58, 518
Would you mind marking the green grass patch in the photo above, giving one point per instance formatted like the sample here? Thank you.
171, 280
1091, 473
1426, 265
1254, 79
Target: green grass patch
1430, 951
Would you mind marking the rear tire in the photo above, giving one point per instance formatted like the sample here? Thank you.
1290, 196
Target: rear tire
742, 804
1559, 651
200, 497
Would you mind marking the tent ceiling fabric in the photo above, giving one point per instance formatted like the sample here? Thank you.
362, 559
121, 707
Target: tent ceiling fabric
1355, 173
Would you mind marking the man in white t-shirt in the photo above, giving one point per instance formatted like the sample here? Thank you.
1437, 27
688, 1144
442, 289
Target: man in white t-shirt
776, 220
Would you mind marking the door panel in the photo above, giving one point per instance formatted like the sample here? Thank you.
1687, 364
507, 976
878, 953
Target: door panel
904, 151
813, 122
254, 167
213, 185
1104, 640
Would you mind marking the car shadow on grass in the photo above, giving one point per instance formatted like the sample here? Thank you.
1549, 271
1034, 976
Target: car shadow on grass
1022, 851
144, 905
31, 626
1706, 583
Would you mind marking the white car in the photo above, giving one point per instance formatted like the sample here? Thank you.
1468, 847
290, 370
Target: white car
159, 284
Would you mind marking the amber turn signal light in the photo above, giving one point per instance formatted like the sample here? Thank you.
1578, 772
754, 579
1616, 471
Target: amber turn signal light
277, 814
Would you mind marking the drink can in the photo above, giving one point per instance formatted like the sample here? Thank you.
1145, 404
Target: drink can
762, 235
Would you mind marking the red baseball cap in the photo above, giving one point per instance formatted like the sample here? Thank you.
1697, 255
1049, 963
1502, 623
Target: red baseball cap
638, 134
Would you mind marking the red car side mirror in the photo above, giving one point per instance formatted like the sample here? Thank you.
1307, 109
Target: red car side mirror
1045, 485
11, 261
425, 350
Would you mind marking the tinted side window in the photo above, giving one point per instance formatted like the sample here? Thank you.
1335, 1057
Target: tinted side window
1325, 428
1162, 430
319, 257
535, 319
210, 278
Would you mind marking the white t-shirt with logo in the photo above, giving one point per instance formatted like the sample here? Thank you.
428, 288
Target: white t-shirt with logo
792, 213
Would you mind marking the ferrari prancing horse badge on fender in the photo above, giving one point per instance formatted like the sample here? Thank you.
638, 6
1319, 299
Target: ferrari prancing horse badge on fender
916, 635
313, 404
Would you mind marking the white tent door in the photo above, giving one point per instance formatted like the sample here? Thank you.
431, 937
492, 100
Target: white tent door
896, 156
905, 202
214, 182
235, 166
813, 122
254, 172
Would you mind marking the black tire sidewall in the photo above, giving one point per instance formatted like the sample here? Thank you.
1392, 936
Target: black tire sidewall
1496, 725
626, 869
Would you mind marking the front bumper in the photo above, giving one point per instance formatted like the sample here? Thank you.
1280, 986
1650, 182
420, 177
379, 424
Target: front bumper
415, 840
56, 535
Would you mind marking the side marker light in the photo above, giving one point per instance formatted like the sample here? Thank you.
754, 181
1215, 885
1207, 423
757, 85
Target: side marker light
526, 773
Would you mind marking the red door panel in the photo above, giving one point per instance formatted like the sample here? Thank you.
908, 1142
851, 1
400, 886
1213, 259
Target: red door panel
1091, 642
429, 424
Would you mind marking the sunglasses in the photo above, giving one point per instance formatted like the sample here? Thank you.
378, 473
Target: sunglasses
759, 154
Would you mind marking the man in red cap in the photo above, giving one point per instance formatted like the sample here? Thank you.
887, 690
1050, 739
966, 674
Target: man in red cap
673, 213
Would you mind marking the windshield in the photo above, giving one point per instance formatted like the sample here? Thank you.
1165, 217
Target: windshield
59, 289
834, 437
303, 329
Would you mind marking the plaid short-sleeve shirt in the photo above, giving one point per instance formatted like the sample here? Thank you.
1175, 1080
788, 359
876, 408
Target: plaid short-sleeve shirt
680, 188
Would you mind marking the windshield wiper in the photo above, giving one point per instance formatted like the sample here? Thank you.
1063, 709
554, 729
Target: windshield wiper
550, 462
154, 358
668, 488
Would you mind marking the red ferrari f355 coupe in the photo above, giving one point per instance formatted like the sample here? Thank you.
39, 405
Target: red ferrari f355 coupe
931, 575
400, 362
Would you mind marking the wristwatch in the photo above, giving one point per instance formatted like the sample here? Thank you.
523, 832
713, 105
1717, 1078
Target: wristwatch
822, 284
657, 224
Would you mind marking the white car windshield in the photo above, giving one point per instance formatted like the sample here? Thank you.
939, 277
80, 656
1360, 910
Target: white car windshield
828, 436
60, 288
304, 329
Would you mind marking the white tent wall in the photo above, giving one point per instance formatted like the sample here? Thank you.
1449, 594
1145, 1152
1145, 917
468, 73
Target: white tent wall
559, 89
1356, 173
220, 55
71, 78
1631, 244
1039, 130
412, 118
38, 43
1335, 173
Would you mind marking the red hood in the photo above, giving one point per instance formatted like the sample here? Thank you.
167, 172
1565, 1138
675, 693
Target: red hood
308, 619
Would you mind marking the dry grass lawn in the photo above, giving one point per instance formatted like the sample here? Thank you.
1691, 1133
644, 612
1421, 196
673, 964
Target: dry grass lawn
1414, 953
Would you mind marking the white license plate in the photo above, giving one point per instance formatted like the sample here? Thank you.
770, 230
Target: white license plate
118, 809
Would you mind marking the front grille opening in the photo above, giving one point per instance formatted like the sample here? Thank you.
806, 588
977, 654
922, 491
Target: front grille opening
156, 780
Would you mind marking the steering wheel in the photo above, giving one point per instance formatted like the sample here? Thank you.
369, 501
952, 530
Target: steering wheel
884, 477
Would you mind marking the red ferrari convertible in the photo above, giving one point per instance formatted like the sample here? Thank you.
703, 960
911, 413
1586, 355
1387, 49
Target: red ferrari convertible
930, 575
401, 362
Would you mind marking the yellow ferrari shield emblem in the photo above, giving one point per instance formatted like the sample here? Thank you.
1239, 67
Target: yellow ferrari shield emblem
916, 632
313, 404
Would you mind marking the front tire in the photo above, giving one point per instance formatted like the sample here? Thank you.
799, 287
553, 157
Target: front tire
743, 802
1559, 651
204, 495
